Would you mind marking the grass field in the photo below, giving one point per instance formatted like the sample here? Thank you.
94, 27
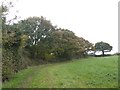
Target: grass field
93, 72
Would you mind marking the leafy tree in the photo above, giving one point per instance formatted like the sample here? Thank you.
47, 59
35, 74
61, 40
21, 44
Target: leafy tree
103, 46
37, 29
62, 42
67, 45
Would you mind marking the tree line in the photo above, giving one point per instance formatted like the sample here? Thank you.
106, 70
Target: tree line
35, 41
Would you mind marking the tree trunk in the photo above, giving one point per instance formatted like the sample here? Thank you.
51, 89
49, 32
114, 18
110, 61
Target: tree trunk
103, 52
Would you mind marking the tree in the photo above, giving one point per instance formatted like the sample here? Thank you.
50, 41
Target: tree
63, 43
103, 46
37, 29
67, 45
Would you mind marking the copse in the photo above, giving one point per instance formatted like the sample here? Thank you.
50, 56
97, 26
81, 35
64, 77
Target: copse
35, 39
46, 41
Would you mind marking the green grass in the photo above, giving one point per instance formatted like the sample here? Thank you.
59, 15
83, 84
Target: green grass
93, 72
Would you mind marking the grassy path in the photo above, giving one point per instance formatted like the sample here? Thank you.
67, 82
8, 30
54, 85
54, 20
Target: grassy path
94, 72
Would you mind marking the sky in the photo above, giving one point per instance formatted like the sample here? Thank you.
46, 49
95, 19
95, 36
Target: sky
94, 20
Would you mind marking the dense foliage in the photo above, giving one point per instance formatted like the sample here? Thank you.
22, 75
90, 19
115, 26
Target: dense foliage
36, 41
103, 46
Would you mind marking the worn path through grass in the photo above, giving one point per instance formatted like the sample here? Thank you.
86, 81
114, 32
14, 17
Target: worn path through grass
93, 72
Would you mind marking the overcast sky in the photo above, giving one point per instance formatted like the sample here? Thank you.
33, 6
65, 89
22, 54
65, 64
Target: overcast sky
94, 20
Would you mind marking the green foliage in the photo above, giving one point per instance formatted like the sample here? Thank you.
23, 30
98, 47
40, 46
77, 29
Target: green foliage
36, 28
103, 46
39, 40
7, 69
50, 57
66, 45
43, 41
